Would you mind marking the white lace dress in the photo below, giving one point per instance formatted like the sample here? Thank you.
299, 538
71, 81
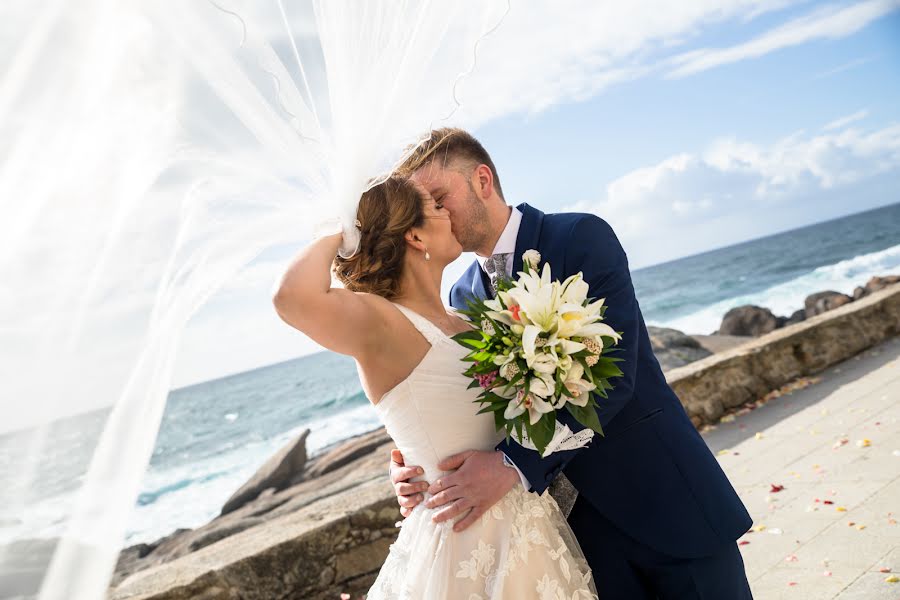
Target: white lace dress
522, 548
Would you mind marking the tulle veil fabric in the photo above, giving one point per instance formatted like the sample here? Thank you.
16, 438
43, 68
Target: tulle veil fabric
148, 152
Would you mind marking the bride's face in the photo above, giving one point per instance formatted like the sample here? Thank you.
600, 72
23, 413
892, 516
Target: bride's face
437, 232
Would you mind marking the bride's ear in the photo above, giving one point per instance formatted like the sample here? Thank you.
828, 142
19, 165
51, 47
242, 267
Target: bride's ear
412, 239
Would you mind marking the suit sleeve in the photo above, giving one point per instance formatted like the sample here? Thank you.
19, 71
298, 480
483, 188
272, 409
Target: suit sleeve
594, 250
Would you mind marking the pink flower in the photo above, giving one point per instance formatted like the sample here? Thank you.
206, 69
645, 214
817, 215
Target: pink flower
486, 380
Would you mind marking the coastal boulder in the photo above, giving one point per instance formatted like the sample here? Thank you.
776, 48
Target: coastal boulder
796, 317
820, 302
673, 348
347, 452
748, 320
879, 283
282, 470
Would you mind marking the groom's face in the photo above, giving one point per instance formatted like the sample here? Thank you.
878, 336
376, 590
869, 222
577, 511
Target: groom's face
452, 186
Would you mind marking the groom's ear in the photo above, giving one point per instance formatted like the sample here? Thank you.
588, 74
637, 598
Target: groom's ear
483, 181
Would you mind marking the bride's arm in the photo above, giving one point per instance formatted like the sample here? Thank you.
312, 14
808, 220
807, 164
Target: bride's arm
338, 319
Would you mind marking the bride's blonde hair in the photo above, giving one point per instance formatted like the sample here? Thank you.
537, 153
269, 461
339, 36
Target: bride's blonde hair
386, 212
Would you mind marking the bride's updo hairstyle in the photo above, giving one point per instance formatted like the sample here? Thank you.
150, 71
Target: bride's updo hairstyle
386, 212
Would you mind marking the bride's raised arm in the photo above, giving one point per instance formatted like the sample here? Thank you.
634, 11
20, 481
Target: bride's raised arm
338, 319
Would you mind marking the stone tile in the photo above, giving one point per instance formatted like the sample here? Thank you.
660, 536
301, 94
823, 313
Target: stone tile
808, 584
870, 586
798, 452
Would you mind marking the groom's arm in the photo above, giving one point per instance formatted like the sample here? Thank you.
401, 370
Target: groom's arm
596, 252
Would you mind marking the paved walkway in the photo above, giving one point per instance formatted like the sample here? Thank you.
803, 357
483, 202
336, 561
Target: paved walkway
819, 470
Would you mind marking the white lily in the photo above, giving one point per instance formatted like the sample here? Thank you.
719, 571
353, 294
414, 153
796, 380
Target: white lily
574, 290
543, 385
577, 386
535, 406
538, 298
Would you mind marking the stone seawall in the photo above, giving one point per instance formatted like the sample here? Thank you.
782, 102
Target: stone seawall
711, 386
337, 544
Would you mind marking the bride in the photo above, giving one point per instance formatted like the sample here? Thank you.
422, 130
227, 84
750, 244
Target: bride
390, 318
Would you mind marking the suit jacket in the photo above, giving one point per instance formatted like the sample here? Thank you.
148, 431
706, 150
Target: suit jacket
651, 473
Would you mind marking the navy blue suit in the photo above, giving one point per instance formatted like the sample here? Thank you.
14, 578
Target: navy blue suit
655, 511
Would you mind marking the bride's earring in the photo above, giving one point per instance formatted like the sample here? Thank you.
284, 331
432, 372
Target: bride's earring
427, 256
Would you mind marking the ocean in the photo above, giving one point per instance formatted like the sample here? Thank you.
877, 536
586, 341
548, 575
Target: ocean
214, 435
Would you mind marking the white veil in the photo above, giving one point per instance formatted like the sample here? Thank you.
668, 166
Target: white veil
148, 152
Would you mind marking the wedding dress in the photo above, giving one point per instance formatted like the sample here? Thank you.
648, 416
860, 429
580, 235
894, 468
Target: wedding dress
521, 548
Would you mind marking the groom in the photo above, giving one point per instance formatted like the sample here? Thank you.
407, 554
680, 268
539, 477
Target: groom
655, 515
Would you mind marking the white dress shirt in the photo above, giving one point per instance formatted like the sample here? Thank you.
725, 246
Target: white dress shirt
507, 242
507, 245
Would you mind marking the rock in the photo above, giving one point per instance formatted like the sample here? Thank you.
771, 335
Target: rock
820, 302
748, 320
211, 536
347, 452
721, 343
796, 317
674, 348
279, 472
859, 292
879, 283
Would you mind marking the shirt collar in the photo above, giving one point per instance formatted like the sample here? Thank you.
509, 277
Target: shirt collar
507, 242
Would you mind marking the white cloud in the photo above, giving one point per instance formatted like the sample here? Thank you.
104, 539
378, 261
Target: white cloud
846, 120
545, 53
844, 67
830, 22
737, 190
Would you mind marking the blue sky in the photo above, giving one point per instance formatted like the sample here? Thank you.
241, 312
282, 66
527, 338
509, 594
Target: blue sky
709, 124
568, 154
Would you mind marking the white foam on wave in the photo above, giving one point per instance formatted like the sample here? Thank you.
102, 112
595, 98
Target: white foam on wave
208, 484
785, 298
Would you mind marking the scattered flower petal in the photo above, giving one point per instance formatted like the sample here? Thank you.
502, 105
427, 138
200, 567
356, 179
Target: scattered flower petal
776, 488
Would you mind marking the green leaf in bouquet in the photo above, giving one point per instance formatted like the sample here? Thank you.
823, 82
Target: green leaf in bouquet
606, 369
587, 416
499, 421
518, 427
565, 392
541, 433
587, 369
481, 356
475, 344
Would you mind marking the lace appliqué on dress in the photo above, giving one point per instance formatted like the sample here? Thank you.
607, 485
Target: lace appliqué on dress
537, 529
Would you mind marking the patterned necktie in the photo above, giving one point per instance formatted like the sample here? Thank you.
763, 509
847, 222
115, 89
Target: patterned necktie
495, 267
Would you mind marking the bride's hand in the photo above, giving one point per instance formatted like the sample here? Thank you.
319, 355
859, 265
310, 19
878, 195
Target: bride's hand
480, 481
408, 494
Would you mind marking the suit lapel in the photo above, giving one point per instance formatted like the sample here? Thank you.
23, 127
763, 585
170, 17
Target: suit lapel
529, 234
481, 285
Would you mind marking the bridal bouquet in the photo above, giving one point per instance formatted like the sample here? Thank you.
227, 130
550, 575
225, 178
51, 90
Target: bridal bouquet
541, 347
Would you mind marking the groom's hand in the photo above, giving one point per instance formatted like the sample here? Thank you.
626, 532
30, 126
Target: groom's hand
480, 480
408, 494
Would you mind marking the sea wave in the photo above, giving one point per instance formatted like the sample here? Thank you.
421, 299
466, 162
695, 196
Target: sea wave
785, 298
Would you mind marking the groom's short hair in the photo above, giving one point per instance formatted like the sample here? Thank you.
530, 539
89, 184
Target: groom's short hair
447, 145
